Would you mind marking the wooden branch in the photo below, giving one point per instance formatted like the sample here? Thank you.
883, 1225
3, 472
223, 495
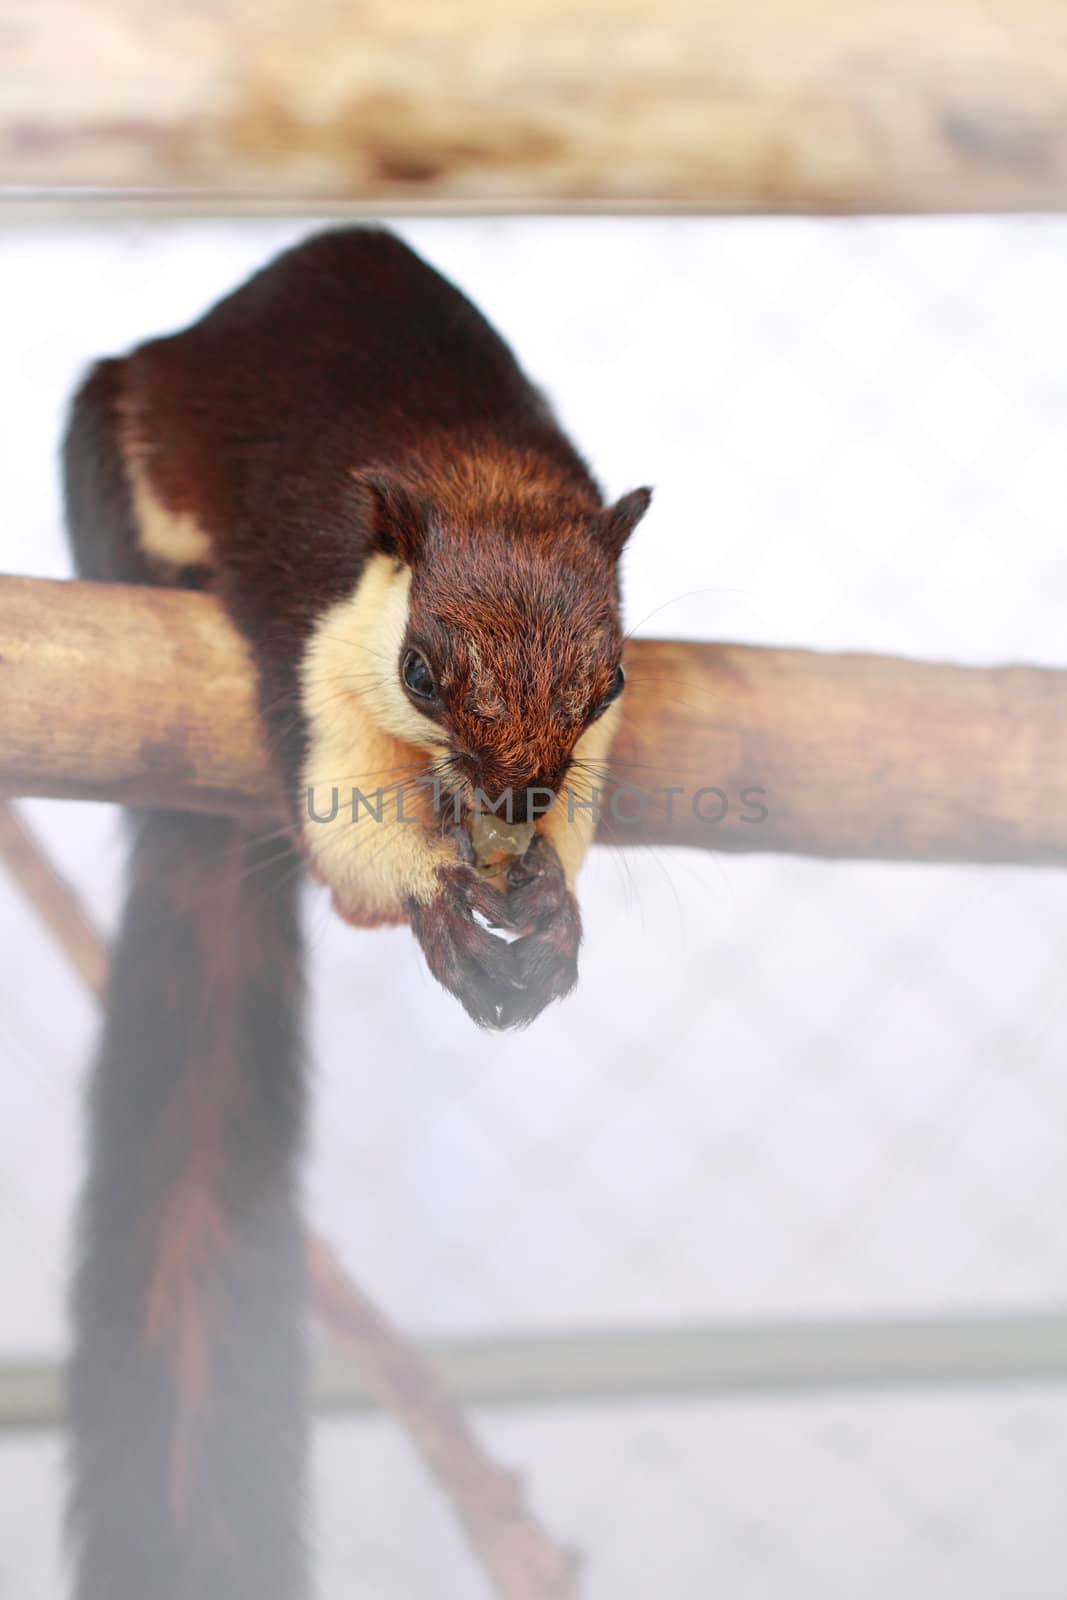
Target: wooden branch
812, 105
856, 755
132, 694
144, 697
52, 897
521, 1562
517, 1554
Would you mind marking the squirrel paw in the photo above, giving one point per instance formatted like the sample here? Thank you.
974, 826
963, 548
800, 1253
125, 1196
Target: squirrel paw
503, 984
542, 910
471, 962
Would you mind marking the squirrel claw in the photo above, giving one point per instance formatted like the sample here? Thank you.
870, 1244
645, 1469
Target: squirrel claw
503, 984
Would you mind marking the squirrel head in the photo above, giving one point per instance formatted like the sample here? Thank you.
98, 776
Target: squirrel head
498, 631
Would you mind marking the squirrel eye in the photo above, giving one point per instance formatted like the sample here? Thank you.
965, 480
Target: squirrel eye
417, 676
613, 693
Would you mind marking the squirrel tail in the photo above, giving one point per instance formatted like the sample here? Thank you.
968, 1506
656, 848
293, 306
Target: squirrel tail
186, 1388
186, 1391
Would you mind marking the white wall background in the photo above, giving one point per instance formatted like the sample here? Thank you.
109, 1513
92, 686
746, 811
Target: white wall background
784, 1088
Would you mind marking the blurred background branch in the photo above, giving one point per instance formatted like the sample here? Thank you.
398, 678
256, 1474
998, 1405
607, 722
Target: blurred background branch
852, 105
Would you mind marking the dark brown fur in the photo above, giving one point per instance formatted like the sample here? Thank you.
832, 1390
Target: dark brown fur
347, 354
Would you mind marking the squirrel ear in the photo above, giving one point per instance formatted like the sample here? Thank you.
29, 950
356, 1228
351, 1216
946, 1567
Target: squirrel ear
617, 522
399, 516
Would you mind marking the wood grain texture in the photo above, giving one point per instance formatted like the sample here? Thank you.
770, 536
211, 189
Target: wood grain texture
144, 697
857, 755
126, 693
809, 105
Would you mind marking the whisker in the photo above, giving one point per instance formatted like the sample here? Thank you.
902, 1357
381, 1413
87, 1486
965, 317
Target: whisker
353, 644
708, 588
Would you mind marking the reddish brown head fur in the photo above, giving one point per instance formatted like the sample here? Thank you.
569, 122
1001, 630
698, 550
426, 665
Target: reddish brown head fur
514, 607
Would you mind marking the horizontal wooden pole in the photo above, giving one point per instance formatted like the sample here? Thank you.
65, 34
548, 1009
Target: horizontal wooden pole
739, 105
145, 697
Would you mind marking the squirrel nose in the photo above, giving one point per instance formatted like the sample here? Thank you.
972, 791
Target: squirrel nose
517, 793
532, 800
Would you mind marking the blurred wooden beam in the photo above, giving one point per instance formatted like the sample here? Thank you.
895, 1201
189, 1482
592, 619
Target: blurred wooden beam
145, 697
694, 1364
718, 105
